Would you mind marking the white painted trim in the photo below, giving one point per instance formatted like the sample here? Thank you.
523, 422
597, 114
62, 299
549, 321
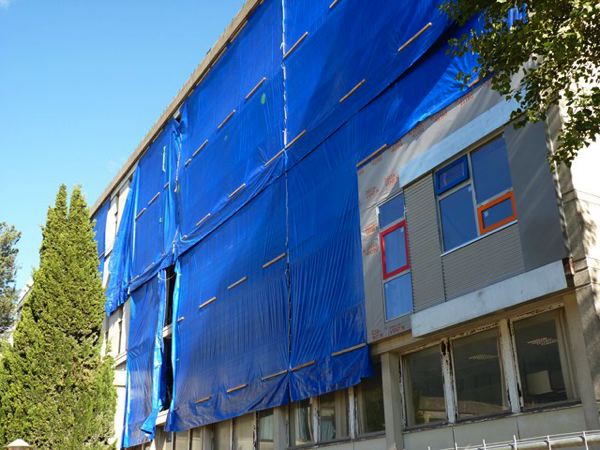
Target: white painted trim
509, 366
504, 294
455, 143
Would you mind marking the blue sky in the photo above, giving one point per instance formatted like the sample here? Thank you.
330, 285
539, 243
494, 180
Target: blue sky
81, 82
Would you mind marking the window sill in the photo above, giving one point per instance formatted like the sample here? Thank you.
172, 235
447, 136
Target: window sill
161, 418
550, 407
120, 359
478, 238
363, 437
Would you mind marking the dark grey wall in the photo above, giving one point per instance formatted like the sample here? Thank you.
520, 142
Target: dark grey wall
484, 262
535, 196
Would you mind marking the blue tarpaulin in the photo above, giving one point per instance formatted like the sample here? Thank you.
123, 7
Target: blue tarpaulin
253, 196
145, 373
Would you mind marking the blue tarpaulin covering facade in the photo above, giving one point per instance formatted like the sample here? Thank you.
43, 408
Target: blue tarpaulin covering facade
252, 194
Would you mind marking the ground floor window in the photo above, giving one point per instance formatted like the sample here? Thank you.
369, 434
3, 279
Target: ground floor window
424, 387
266, 436
301, 429
222, 435
243, 432
196, 439
465, 376
180, 441
369, 404
333, 416
478, 375
542, 359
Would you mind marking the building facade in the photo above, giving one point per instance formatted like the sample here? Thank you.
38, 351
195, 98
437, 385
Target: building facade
326, 240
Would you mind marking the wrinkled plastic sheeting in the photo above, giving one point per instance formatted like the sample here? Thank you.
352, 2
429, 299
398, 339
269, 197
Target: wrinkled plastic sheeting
232, 127
327, 294
146, 234
100, 233
232, 168
351, 57
145, 372
120, 262
231, 336
154, 221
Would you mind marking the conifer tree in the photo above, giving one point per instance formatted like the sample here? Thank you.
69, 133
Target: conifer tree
56, 389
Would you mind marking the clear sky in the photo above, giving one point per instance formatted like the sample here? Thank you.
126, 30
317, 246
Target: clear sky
81, 82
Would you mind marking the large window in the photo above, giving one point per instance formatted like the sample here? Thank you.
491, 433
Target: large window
478, 376
475, 194
181, 441
424, 387
243, 432
542, 359
265, 430
369, 404
196, 439
333, 416
221, 435
394, 258
301, 429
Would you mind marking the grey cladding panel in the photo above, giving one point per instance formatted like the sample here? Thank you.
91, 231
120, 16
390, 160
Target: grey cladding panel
483, 262
535, 196
424, 244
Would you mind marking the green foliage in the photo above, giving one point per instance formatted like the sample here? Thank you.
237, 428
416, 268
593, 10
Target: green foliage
56, 389
556, 49
9, 237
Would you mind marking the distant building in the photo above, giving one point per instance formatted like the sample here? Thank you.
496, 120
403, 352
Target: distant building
326, 240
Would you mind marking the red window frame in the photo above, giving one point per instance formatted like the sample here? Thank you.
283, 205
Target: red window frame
481, 209
386, 274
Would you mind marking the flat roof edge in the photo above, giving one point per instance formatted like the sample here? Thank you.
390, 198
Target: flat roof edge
211, 57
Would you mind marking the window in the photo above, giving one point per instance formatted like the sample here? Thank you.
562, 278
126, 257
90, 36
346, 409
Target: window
333, 416
541, 358
196, 439
167, 356
477, 374
265, 430
221, 435
162, 439
424, 387
243, 432
394, 258
180, 440
475, 194
171, 276
301, 428
369, 404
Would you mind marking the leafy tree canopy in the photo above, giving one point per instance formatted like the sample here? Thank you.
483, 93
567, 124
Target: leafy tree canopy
555, 44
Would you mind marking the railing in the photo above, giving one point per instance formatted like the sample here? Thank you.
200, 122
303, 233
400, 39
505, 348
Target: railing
569, 440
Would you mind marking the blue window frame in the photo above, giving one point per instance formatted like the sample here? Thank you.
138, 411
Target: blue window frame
475, 194
452, 175
395, 261
458, 217
391, 211
491, 174
398, 297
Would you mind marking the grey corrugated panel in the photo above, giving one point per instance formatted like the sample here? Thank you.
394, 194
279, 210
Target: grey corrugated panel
484, 262
535, 196
424, 244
